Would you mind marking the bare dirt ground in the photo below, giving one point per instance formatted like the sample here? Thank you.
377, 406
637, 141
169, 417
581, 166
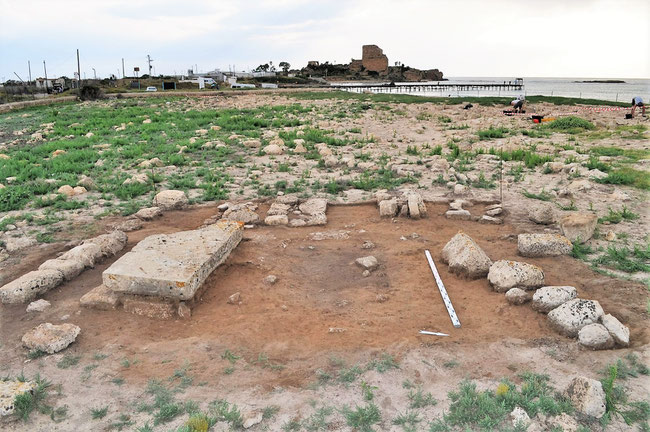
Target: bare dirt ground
320, 314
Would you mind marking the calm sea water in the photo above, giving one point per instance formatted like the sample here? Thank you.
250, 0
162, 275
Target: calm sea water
568, 87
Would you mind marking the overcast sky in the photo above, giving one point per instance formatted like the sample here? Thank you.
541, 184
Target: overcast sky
509, 38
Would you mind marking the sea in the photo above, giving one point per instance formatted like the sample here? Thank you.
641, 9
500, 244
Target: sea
567, 87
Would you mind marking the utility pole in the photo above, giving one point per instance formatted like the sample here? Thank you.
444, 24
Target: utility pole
45, 69
149, 60
29, 66
123, 68
78, 72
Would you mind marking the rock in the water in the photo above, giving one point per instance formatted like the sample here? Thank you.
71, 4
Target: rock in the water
170, 199
30, 285
388, 208
587, 396
369, 263
542, 245
38, 306
101, 298
276, 220
313, 206
465, 257
573, 315
51, 338
173, 265
595, 336
619, 332
548, 298
517, 296
541, 213
9, 389
579, 226
68, 268
148, 213
504, 275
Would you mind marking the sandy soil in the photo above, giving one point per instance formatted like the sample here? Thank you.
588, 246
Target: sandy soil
319, 288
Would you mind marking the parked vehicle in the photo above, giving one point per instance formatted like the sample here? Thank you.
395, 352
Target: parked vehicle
151, 89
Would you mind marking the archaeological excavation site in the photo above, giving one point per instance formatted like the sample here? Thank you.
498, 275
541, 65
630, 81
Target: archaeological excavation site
322, 261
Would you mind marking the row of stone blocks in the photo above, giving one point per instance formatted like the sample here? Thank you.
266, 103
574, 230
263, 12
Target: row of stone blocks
569, 315
162, 274
53, 272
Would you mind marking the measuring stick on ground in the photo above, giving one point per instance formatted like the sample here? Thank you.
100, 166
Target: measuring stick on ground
443, 291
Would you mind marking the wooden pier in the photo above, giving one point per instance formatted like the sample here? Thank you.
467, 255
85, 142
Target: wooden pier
432, 87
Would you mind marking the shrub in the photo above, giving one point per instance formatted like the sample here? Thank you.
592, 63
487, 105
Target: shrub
90, 92
570, 124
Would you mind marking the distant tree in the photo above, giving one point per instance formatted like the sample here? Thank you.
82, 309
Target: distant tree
263, 68
285, 66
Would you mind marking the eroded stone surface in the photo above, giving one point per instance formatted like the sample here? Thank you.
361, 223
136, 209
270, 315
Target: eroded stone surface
368, 263
9, 390
51, 338
579, 226
30, 285
100, 297
587, 396
173, 265
68, 268
517, 296
170, 199
619, 332
595, 336
573, 315
548, 298
465, 257
504, 275
542, 245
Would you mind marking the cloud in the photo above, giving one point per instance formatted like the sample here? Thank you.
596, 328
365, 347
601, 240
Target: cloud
592, 38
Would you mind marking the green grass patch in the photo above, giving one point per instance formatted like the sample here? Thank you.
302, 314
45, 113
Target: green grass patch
569, 124
628, 177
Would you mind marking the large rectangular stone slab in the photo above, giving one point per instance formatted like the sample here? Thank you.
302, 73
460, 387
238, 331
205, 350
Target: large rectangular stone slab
173, 265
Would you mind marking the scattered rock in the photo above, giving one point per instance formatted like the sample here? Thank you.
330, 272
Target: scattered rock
109, 244
542, 213
51, 338
313, 206
129, 225
563, 422
270, 279
184, 311
491, 220
519, 417
369, 263
38, 305
241, 213
573, 315
273, 149
542, 245
388, 208
504, 275
251, 418
150, 307
586, 396
14, 244
579, 226
276, 220
367, 245
458, 214
148, 213
619, 332
9, 389
517, 296
170, 199
235, 298
416, 206
548, 298
465, 257
66, 190
596, 337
